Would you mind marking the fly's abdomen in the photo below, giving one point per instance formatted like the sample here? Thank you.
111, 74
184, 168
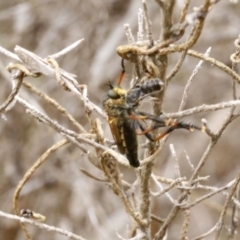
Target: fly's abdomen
151, 85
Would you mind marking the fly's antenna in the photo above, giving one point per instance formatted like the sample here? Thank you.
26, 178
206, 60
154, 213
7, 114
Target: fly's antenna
122, 73
110, 85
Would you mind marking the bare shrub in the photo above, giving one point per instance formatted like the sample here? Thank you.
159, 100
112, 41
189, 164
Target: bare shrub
59, 163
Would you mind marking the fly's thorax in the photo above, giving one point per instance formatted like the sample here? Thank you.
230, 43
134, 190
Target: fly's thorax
114, 107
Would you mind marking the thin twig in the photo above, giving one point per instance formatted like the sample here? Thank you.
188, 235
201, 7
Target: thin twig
235, 211
207, 130
55, 66
119, 192
190, 205
184, 11
153, 156
144, 185
234, 217
32, 169
203, 108
190, 80
42, 226
166, 8
185, 225
140, 33
129, 34
216, 63
189, 161
176, 164
162, 190
228, 200
16, 76
29, 173
147, 23
66, 50
56, 105
202, 236
177, 67
157, 219
10, 54
172, 185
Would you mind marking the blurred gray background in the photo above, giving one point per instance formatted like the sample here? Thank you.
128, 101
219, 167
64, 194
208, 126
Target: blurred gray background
59, 189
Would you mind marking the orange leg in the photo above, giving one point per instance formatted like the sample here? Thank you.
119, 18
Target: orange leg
122, 73
145, 131
138, 117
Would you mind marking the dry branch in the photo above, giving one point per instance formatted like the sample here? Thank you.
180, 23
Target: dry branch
42, 226
150, 61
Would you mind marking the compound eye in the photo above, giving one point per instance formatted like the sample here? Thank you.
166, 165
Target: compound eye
113, 94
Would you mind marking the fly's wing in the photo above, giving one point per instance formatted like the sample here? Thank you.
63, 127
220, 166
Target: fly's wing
116, 129
126, 139
130, 142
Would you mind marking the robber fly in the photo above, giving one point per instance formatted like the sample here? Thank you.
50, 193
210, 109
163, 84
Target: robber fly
125, 120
